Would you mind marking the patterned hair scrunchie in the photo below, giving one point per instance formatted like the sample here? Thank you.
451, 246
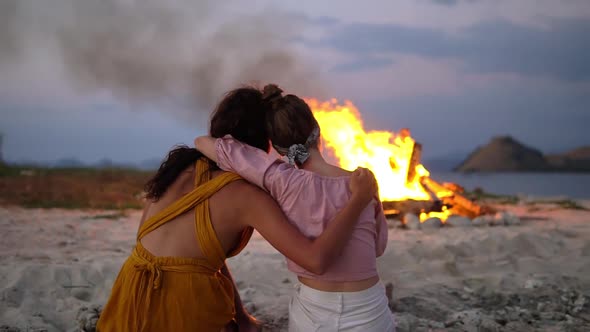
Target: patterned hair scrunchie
299, 153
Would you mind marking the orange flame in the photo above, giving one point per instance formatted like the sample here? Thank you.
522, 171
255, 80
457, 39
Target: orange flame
385, 153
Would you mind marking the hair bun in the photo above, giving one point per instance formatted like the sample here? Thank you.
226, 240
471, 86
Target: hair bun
271, 92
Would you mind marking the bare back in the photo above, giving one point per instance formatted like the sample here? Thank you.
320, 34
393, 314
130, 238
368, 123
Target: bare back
177, 237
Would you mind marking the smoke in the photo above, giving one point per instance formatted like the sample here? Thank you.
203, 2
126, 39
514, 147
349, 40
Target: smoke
180, 53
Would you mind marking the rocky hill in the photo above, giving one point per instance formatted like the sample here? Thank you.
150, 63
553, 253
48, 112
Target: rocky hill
505, 154
577, 160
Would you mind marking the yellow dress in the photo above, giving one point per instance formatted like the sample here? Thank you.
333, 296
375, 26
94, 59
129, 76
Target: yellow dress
176, 293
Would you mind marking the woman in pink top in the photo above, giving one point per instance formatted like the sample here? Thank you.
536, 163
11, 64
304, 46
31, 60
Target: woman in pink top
349, 295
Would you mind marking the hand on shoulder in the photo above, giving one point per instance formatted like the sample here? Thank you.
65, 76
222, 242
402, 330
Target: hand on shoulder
363, 185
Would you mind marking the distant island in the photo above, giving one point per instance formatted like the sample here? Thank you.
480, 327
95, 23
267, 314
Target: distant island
105, 163
505, 154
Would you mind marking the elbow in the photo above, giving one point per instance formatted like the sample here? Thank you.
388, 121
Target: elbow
317, 268
320, 264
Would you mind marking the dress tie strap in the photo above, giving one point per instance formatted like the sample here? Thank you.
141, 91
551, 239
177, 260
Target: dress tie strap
154, 270
154, 277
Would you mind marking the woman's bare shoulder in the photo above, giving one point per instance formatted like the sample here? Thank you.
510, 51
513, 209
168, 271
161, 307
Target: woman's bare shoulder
246, 194
243, 187
340, 171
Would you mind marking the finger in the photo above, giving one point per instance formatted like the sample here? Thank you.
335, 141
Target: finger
360, 174
363, 175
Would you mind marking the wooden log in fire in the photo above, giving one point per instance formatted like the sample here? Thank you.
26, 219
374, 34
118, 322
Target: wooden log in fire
456, 199
434, 188
394, 208
441, 195
414, 162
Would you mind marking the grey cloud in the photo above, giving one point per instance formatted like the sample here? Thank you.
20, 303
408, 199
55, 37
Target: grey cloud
148, 51
362, 63
450, 2
446, 2
561, 51
322, 21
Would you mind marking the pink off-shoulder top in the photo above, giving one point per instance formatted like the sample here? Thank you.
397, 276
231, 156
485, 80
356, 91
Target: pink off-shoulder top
310, 201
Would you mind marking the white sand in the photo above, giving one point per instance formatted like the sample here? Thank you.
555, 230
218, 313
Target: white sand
52, 262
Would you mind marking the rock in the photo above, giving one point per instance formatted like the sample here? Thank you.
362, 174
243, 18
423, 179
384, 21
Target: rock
497, 219
394, 223
472, 320
552, 306
468, 290
552, 316
506, 218
247, 292
511, 219
458, 221
6, 328
479, 221
250, 307
545, 307
406, 322
411, 221
431, 223
533, 284
426, 307
579, 304
12, 297
87, 317
482, 221
581, 307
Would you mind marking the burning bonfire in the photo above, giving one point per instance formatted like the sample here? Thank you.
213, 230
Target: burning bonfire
405, 185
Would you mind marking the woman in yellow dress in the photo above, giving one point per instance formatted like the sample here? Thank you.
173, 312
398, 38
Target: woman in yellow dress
175, 278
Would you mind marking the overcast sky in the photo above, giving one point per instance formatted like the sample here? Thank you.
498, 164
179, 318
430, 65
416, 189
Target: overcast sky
112, 82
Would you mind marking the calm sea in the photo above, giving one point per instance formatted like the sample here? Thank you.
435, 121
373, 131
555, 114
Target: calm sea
533, 184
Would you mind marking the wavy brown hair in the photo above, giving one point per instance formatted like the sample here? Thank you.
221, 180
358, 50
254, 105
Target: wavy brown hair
240, 113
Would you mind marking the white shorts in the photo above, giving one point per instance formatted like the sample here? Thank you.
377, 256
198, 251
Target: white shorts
313, 310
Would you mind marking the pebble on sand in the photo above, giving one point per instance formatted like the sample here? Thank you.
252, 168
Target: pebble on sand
432, 223
412, 221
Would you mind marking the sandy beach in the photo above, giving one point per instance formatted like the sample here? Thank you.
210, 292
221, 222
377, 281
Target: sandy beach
530, 277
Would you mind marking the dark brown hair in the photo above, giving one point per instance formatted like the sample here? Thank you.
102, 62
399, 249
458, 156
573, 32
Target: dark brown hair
241, 113
289, 119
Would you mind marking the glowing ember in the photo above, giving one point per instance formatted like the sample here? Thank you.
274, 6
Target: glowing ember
441, 215
387, 154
